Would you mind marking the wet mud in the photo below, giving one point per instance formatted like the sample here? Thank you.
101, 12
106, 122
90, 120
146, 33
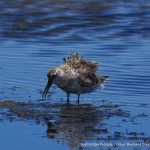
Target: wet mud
75, 124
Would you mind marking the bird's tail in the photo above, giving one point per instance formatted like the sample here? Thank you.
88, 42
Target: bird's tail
103, 79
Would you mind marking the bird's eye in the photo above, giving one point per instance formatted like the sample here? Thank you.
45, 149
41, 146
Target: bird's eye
54, 75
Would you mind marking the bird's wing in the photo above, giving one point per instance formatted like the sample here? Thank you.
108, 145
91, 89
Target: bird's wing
76, 61
85, 69
87, 79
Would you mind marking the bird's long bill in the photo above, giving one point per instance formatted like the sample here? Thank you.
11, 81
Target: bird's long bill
49, 83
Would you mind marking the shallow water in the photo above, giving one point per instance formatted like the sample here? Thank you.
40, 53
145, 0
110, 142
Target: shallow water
36, 35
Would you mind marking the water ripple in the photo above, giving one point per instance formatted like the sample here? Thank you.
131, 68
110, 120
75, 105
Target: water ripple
35, 19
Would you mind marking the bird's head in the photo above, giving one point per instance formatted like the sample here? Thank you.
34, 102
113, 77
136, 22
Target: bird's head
51, 75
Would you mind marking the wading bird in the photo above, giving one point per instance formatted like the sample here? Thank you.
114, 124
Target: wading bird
76, 75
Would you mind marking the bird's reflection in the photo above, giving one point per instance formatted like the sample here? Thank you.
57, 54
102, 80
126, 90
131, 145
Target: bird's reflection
74, 124
71, 124
66, 123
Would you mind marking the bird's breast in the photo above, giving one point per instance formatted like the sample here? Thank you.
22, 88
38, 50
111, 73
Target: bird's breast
74, 86
67, 84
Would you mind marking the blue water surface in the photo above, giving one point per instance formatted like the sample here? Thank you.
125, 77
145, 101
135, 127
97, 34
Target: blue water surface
37, 35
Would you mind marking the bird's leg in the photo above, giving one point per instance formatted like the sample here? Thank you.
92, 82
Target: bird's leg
68, 95
78, 98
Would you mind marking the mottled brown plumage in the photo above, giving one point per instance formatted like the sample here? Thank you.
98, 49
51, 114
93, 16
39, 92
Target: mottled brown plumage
76, 75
